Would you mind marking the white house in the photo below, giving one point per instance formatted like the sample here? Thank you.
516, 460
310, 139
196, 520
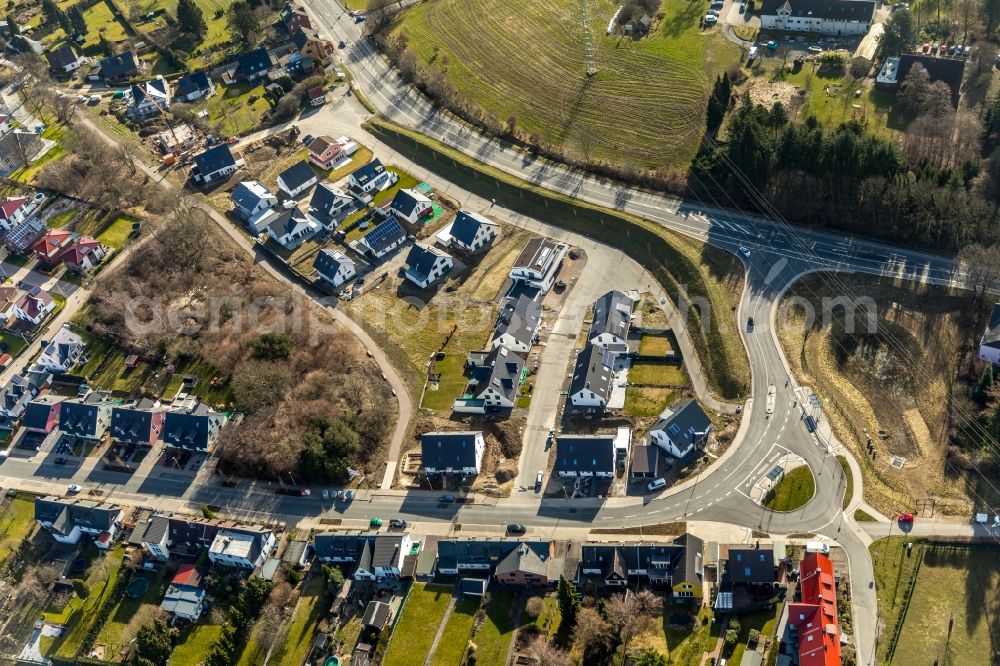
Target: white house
290, 228
585, 456
493, 386
538, 263
214, 164
410, 206
34, 306
64, 59
250, 198
452, 452
383, 239
241, 548
989, 346
590, 387
518, 322
296, 179
334, 267
149, 98
370, 179
470, 232
426, 264
68, 520
681, 428
62, 352
194, 86
329, 206
611, 322
827, 17
14, 210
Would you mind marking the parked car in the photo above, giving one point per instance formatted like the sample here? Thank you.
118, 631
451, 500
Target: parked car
925, 48
745, 251
967, 51
772, 45
817, 547
951, 49
349, 495
934, 48
714, 12
710, 19
307, 139
516, 528
74, 488
538, 480
397, 524
375, 523
658, 484
752, 53
942, 48
815, 49
326, 494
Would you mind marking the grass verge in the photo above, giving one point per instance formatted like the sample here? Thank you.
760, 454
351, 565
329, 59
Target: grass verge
793, 491
849, 490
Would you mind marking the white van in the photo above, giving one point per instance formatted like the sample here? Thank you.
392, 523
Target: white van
818, 547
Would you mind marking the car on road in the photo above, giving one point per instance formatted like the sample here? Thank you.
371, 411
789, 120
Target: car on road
815, 49
745, 251
74, 488
658, 484
375, 523
905, 518
397, 524
60, 460
750, 324
446, 498
538, 480
516, 528
326, 494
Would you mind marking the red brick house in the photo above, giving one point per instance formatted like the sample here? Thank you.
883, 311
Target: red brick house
84, 255
523, 567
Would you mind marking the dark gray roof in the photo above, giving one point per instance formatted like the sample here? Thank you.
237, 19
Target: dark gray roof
947, 70
329, 261
193, 429
157, 528
585, 453
443, 450
387, 550
840, 10
681, 560
384, 235
140, 90
192, 83
523, 558
287, 221
421, 258
687, 424
750, 565
405, 201
131, 424
248, 194
15, 395
991, 338
297, 175
456, 553
369, 171
323, 199
644, 459
342, 545
61, 57
214, 159
520, 315
591, 372
81, 418
612, 314
36, 413
255, 62
466, 225
501, 370
118, 66
376, 615
64, 514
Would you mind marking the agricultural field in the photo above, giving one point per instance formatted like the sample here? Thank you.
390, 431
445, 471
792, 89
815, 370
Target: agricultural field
414, 633
658, 86
918, 327
953, 610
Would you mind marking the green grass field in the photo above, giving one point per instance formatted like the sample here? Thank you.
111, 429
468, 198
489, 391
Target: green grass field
232, 111
493, 638
762, 621
658, 374
656, 87
106, 369
414, 633
455, 637
100, 21
130, 614
116, 233
79, 614
194, 643
793, 491
647, 400
655, 345
849, 490
311, 607
16, 522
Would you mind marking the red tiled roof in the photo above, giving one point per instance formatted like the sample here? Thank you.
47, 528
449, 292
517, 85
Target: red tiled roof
76, 252
187, 574
11, 205
33, 305
52, 240
816, 615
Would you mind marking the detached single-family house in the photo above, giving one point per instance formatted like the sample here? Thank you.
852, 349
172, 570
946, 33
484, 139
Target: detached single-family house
334, 267
64, 59
13, 210
425, 265
17, 149
68, 520
62, 352
149, 98
329, 206
370, 179
326, 152
23, 235
585, 455
611, 322
518, 322
140, 424
214, 164
193, 87
41, 415
116, 68
496, 378
185, 597
469, 232
681, 428
243, 548
296, 179
195, 428
291, 227
83, 255
50, 247
538, 263
383, 239
312, 46
88, 418
34, 306
254, 65
989, 345
251, 198
411, 206
592, 380
452, 452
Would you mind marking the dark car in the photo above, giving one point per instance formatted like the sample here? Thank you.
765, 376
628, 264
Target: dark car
750, 323
60, 461
516, 528
446, 498
397, 524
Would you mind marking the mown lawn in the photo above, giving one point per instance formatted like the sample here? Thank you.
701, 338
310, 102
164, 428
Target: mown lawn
414, 633
493, 638
657, 374
793, 491
116, 233
655, 345
310, 608
130, 614
647, 400
762, 621
232, 111
194, 644
219, 394
26, 174
16, 523
62, 219
100, 21
455, 636
105, 367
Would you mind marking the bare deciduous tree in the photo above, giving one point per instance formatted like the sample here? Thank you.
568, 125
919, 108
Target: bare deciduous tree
545, 653
591, 631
